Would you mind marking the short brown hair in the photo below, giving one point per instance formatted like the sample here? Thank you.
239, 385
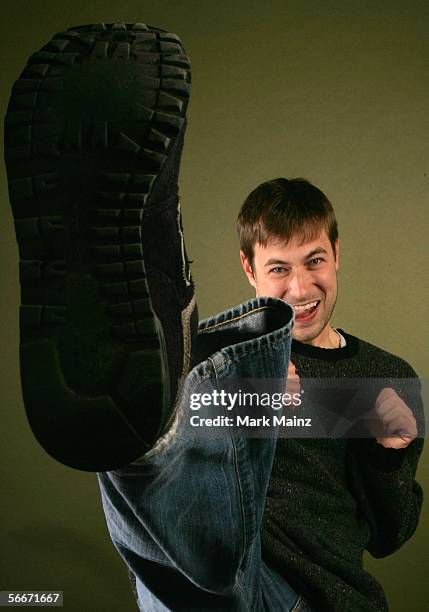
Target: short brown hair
282, 208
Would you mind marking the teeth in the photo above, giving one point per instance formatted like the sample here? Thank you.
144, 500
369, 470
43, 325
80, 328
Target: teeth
305, 306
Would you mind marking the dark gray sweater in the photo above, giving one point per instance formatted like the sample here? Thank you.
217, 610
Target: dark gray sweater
330, 499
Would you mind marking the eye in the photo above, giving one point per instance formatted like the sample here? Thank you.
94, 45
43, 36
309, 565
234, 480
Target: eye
316, 261
277, 270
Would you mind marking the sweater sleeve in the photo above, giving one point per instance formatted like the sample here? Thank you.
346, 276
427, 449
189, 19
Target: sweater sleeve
384, 483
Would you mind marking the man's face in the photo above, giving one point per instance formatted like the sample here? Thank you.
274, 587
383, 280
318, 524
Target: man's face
305, 276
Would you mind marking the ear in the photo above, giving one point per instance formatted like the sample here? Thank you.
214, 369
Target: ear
247, 269
337, 253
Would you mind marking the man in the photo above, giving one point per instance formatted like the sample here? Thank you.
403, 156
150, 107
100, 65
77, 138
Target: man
110, 356
359, 495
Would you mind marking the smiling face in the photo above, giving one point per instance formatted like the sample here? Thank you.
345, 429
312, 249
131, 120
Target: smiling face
305, 276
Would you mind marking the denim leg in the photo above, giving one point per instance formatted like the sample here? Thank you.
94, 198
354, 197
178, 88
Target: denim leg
186, 517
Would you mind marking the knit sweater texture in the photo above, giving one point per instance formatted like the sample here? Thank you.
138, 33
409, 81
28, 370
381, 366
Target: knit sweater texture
331, 499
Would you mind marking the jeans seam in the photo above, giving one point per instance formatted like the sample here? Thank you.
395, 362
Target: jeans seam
236, 318
240, 487
242, 508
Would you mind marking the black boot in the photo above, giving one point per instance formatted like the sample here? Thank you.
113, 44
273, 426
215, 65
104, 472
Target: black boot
93, 137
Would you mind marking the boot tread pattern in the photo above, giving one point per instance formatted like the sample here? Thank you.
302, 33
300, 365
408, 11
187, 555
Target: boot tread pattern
112, 147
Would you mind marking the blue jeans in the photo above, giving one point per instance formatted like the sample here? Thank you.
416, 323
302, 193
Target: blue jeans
186, 517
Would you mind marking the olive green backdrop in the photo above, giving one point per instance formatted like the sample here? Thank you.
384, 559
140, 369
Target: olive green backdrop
334, 91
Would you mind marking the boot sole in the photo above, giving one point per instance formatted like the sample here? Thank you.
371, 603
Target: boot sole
89, 126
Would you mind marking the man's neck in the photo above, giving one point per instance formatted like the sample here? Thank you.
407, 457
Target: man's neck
328, 338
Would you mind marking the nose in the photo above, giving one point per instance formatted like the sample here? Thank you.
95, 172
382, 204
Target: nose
298, 287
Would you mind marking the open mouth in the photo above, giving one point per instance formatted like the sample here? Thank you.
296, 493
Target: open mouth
305, 312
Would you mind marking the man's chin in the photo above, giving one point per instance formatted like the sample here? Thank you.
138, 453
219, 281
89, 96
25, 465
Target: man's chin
299, 337
307, 336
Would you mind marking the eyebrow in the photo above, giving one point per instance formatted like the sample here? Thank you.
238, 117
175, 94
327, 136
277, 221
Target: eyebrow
316, 251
